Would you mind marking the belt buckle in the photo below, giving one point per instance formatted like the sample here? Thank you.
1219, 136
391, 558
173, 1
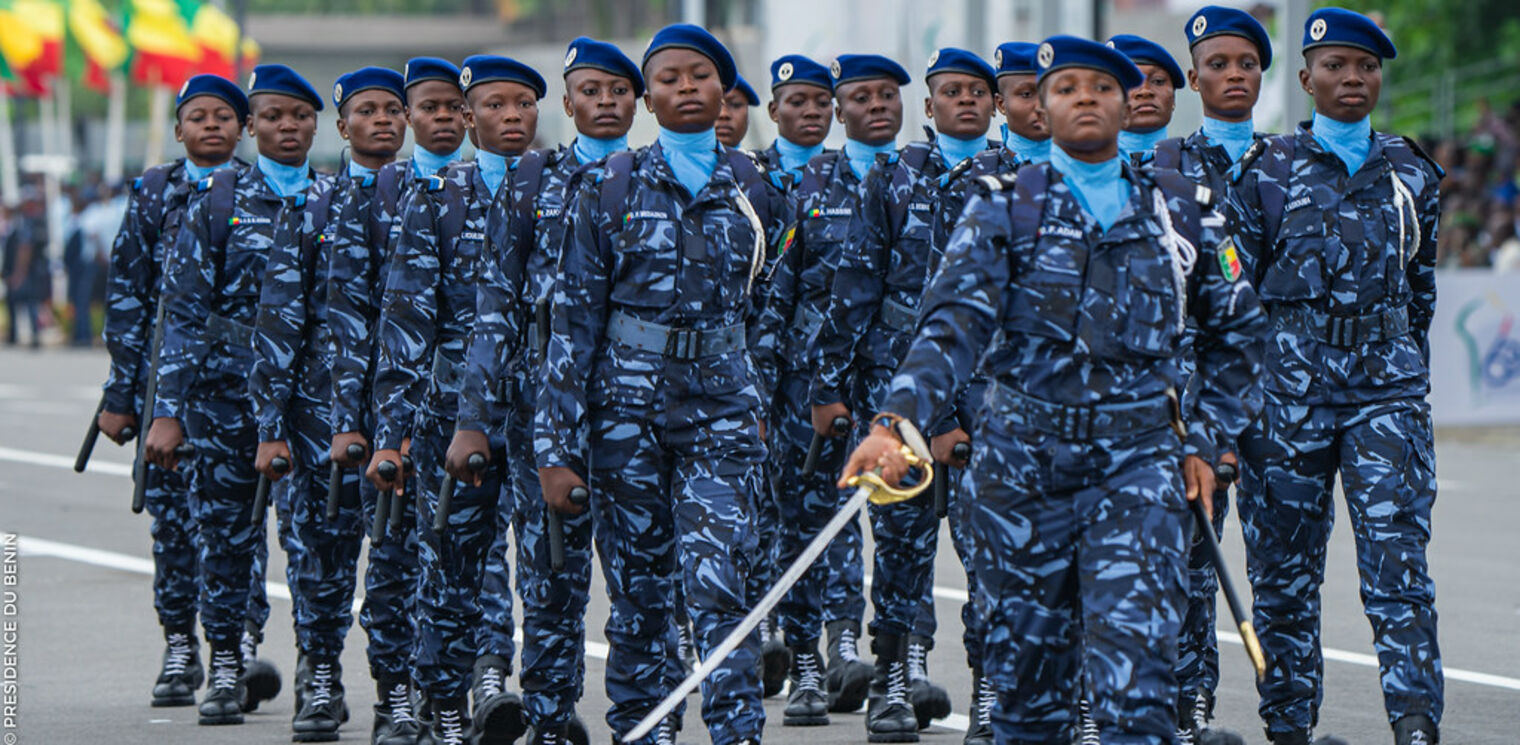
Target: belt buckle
683, 344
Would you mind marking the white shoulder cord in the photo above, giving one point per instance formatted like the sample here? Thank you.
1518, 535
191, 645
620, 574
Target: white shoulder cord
757, 258
1402, 197
1184, 255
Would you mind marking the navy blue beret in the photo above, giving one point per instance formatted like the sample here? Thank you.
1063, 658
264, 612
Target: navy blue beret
742, 87
697, 39
849, 68
419, 69
284, 81
368, 79
795, 68
217, 87
1338, 27
493, 68
1015, 58
1212, 20
1062, 51
951, 59
1142, 51
586, 52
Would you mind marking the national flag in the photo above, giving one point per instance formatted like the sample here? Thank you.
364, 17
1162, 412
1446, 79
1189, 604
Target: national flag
34, 28
217, 36
97, 47
163, 51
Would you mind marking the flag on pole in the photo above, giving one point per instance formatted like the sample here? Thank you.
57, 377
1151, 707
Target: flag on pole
31, 33
96, 46
163, 51
20, 44
217, 36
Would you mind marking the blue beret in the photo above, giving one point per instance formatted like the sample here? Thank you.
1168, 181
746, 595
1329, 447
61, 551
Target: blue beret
586, 52
419, 69
697, 39
795, 68
849, 68
1338, 27
1062, 51
216, 86
743, 88
1015, 58
1212, 20
951, 59
492, 68
368, 79
284, 81
1142, 51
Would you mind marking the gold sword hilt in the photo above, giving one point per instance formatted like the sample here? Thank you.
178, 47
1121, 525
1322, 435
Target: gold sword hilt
883, 493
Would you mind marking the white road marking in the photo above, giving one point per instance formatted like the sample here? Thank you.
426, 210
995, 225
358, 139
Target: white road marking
32, 457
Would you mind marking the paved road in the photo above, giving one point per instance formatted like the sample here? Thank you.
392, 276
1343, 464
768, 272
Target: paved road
88, 643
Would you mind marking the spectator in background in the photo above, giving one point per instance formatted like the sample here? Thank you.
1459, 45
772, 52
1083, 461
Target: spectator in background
98, 224
25, 269
78, 268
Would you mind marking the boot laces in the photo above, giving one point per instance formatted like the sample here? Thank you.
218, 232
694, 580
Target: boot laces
178, 658
916, 654
764, 629
400, 700
224, 669
809, 675
451, 727
550, 738
683, 642
490, 681
666, 734
1089, 734
250, 648
986, 701
897, 683
1201, 713
319, 687
847, 651
1418, 737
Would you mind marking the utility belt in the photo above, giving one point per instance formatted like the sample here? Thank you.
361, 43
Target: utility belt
898, 317
1342, 330
1083, 423
448, 374
230, 332
678, 344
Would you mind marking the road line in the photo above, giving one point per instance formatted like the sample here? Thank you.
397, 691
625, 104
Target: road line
34, 458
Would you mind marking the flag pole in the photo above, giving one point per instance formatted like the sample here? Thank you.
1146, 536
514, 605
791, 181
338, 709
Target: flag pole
10, 183
158, 110
116, 129
63, 103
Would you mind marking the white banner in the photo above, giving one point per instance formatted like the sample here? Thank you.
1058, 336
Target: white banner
1475, 348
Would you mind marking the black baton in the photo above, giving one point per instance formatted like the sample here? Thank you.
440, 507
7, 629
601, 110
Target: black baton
840, 425
335, 479
579, 495
261, 493
398, 509
1226, 473
476, 463
90, 436
387, 470
140, 478
961, 453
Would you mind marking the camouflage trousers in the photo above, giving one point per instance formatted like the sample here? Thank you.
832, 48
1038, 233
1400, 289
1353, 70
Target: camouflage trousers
1385, 456
451, 627
673, 494
1079, 556
390, 588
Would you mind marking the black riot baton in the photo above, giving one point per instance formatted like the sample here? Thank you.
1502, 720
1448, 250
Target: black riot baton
1226, 473
397, 511
90, 436
476, 463
140, 478
961, 453
145, 418
335, 479
840, 426
387, 470
579, 496
261, 492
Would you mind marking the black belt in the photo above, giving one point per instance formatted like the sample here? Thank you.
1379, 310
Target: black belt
1082, 423
899, 317
1342, 330
233, 333
678, 344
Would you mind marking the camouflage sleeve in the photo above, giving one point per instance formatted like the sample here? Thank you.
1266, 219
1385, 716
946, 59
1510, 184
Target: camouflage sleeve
408, 321
494, 339
586, 264
1421, 269
1244, 219
189, 284
1231, 339
131, 301
857, 290
277, 334
780, 306
350, 275
960, 313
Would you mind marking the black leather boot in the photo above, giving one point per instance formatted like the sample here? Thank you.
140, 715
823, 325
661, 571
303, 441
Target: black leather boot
224, 694
848, 678
181, 673
806, 703
889, 716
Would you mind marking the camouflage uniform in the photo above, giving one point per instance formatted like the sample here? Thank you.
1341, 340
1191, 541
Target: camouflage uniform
1079, 523
650, 391
426, 312
1345, 266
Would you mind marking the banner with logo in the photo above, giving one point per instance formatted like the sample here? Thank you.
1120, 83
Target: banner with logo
1475, 348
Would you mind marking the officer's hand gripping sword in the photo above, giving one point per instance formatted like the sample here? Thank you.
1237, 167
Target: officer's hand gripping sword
261, 493
868, 487
476, 463
579, 496
335, 480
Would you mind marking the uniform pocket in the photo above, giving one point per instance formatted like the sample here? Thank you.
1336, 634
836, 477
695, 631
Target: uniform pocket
1297, 271
646, 263
1046, 296
1152, 316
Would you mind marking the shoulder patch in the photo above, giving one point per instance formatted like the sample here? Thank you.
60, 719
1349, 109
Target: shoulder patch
1258, 146
1229, 260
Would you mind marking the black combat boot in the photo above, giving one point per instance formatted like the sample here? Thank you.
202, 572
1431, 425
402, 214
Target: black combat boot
848, 679
571, 733
983, 700
181, 673
1416, 729
450, 722
1200, 733
775, 659
1302, 737
930, 702
686, 650
889, 716
395, 720
1087, 727
261, 680
322, 710
224, 691
806, 703
498, 712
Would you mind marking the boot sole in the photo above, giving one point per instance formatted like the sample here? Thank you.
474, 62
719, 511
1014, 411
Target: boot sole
222, 719
315, 736
811, 721
167, 701
893, 737
501, 724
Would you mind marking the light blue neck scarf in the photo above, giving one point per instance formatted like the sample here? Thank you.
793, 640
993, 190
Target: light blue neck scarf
591, 149
195, 173
953, 150
1234, 137
1350, 142
794, 156
1025, 149
354, 169
1099, 187
692, 156
862, 155
286, 181
493, 169
1139, 142
426, 163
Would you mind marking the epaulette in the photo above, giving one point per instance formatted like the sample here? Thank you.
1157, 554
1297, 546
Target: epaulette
955, 172
996, 182
1258, 146
366, 180
204, 184
434, 183
137, 184
1141, 158
759, 162
888, 159
1415, 146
